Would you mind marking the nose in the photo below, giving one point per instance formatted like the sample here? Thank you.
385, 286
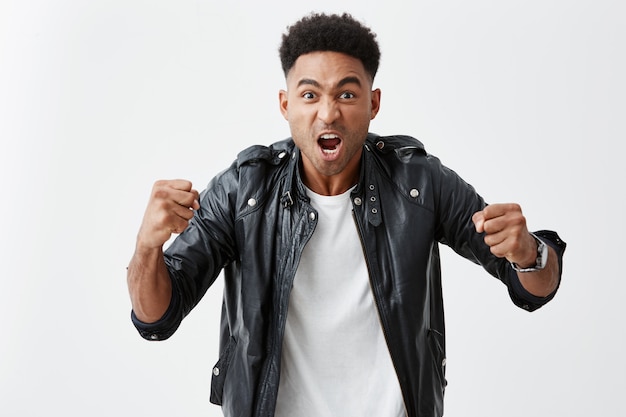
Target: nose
328, 111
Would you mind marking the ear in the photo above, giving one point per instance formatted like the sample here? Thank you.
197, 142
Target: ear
375, 103
282, 102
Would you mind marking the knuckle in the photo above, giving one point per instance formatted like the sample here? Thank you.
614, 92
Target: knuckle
160, 184
519, 221
159, 193
160, 204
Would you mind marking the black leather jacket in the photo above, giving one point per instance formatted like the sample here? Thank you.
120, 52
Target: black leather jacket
253, 224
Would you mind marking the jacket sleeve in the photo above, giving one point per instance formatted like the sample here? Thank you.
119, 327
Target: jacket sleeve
456, 203
197, 256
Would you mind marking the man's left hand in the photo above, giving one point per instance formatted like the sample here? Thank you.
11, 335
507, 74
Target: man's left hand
506, 233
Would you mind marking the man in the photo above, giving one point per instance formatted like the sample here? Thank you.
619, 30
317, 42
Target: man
328, 243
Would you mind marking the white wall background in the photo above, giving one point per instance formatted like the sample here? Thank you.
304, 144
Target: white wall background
525, 99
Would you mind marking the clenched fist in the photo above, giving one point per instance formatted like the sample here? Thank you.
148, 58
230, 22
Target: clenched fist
506, 233
169, 210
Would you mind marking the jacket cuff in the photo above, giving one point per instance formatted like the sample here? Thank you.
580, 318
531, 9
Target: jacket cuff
164, 327
520, 296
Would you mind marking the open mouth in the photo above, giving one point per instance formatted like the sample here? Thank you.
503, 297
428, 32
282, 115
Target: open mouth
329, 143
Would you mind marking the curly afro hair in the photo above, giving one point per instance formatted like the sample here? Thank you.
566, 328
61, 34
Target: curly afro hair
337, 33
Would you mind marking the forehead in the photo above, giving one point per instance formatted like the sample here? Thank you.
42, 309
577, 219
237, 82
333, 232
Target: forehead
327, 69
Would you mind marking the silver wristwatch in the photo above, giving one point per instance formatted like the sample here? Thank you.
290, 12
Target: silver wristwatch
540, 262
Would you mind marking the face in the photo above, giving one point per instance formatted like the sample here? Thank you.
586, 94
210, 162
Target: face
329, 104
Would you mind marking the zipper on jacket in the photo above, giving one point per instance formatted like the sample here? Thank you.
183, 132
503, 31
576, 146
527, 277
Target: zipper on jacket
280, 329
377, 300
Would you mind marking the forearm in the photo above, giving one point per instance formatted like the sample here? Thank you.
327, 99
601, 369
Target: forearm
149, 284
542, 283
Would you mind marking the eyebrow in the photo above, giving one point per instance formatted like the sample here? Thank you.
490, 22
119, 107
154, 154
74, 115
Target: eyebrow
341, 83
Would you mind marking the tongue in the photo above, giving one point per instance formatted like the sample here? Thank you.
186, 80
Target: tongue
329, 143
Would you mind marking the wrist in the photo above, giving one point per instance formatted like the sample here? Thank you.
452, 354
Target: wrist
147, 252
540, 258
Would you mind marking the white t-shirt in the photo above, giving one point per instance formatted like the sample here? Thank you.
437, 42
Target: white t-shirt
335, 361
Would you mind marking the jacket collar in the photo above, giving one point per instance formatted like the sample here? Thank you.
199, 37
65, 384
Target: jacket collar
365, 195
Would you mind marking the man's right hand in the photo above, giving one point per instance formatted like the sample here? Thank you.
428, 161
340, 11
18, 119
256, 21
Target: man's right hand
169, 210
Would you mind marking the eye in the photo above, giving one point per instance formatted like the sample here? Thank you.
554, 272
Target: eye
308, 95
346, 95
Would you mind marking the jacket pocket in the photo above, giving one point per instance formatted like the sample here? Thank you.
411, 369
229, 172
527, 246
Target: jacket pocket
220, 370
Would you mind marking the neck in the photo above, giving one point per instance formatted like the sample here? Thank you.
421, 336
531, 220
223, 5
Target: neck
331, 184
329, 188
